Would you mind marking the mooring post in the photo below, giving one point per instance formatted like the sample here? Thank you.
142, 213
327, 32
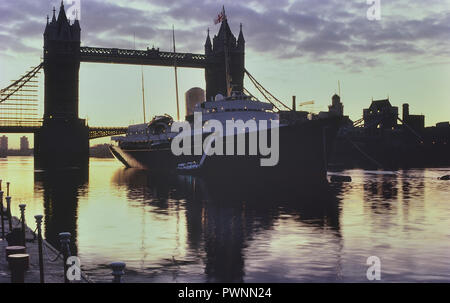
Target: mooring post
22, 219
18, 264
1, 184
8, 212
64, 239
2, 214
14, 250
7, 189
117, 271
39, 235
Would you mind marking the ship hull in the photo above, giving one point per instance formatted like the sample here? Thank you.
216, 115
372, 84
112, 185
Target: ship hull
303, 152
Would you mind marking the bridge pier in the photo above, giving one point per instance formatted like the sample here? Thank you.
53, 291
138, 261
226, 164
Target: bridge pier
62, 144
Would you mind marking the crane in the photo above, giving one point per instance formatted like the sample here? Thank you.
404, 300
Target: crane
306, 103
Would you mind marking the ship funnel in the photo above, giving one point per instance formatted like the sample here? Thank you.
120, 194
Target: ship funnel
193, 97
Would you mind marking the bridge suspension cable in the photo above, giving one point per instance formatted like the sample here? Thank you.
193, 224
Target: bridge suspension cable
7, 92
19, 101
248, 93
267, 95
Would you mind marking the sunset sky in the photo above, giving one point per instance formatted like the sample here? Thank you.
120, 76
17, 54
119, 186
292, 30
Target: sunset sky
293, 47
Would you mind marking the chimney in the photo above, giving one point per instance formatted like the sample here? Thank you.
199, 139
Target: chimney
405, 112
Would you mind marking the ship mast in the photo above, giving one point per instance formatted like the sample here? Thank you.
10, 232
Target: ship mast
142, 81
143, 93
176, 73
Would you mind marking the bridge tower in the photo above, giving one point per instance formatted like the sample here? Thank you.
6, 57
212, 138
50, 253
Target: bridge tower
63, 140
215, 71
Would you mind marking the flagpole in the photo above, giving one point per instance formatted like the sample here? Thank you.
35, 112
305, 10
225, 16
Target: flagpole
176, 73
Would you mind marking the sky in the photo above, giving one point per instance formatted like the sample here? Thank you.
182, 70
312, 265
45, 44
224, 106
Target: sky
293, 47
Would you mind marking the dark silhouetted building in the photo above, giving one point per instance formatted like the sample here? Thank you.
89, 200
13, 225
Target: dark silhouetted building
336, 109
381, 114
24, 144
416, 122
443, 125
336, 106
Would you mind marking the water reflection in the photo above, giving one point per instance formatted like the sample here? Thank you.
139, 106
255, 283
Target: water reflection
186, 229
223, 215
61, 191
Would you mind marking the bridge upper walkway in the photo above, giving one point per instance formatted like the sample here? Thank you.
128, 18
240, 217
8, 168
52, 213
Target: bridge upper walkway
141, 57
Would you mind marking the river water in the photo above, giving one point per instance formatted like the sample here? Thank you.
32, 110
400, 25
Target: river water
186, 229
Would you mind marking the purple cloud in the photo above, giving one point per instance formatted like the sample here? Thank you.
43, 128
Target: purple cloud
322, 31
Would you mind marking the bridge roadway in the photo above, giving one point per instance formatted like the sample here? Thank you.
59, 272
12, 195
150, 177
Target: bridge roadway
94, 132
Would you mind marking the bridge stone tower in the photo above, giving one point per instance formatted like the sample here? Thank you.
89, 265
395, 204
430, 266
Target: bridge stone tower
64, 138
215, 72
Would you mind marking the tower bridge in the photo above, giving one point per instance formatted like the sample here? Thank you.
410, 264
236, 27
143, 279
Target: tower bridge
61, 137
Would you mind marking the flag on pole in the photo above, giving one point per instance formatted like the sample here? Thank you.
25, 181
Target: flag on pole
221, 17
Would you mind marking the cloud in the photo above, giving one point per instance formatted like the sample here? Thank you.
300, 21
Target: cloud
332, 31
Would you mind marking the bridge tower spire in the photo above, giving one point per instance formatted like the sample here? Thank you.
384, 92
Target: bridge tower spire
208, 44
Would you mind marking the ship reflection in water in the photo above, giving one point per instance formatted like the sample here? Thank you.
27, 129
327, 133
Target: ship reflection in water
187, 229
224, 219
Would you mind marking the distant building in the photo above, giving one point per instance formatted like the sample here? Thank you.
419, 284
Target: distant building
24, 144
416, 122
4, 143
336, 109
443, 125
381, 114
336, 106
